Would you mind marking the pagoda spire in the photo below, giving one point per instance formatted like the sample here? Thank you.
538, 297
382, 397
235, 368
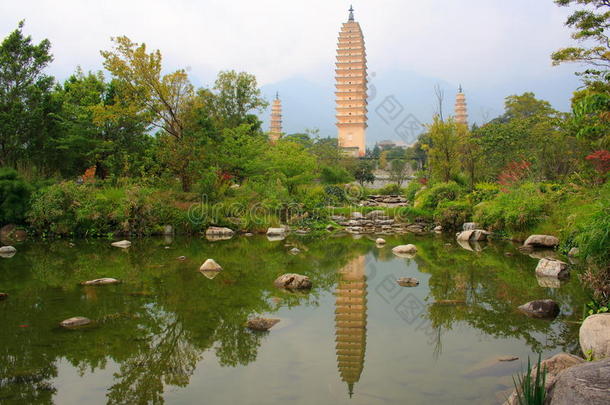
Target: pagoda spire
461, 109
275, 130
351, 13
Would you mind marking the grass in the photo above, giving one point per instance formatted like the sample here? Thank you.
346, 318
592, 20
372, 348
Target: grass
531, 390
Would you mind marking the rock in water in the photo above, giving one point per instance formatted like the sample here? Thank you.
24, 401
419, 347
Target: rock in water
261, 324
182, 258
7, 249
408, 282
3, 296
380, 241
438, 229
101, 281
122, 244
293, 282
294, 251
405, 249
541, 241
75, 322
552, 268
210, 265
594, 336
276, 232
543, 309
587, 383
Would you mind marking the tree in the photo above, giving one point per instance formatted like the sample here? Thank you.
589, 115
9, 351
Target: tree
399, 169
590, 25
526, 106
444, 149
164, 100
25, 101
236, 96
291, 161
363, 172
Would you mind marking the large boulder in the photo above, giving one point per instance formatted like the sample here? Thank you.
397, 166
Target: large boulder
553, 366
75, 322
123, 244
543, 309
594, 336
547, 241
219, 231
587, 383
552, 268
11, 233
261, 324
293, 282
405, 249
101, 281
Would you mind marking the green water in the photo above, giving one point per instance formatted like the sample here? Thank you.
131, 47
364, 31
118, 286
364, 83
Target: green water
170, 334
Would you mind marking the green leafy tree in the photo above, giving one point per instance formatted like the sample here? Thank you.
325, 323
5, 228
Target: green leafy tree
14, 197
236, 96
590, 26
363, 172
446, 138
25, 102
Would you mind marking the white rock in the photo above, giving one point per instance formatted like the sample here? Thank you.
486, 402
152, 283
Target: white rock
405, 249
594, 336
101, 281
276, 232
380, 241
552, 268
541, 241
75, 322
210, 265
7, 249
122, 244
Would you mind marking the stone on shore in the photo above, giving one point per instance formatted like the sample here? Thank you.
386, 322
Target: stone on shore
574, 252
293, 282
75, 322
594, 336
123, 244
542, 309
261, 324
552, 268
101, 281
547, 241
586, 383
215, 233
408, 282
357, 215
375, 214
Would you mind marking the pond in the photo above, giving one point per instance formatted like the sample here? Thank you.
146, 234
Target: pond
170, 334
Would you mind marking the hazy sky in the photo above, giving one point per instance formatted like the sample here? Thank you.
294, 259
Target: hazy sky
481, 43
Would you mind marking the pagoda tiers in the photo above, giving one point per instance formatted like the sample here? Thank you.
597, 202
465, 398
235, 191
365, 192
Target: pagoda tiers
350, 322
461, 111
275, 130
351, 88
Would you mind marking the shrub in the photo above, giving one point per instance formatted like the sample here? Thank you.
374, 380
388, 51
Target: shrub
410, 214
335, 175
14, 197
412, 189
516, 210
452, 214
390, 189
484, 192
431, 197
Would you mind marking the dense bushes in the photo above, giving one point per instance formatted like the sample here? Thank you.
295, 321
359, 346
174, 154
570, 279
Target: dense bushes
431, 197
513, 211
83, 210
451, 215
14, 197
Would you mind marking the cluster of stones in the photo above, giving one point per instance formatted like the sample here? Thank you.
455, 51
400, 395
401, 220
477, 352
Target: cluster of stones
376, 222
384, 201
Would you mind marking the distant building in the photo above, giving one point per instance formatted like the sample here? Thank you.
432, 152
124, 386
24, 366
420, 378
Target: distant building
461, 110
351, 86
387, 144
275, 130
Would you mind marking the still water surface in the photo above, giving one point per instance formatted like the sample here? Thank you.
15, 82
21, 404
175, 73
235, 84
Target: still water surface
170, 334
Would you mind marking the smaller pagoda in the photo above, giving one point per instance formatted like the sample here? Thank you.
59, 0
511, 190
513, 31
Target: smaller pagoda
275, 130
461, 110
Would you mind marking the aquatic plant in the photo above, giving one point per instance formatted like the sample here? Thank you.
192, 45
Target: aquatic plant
531, 389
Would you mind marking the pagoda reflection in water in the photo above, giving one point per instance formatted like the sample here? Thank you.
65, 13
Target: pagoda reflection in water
350, 321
